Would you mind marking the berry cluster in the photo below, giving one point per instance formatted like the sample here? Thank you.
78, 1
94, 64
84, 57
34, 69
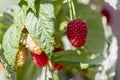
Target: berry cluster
39, 57
76, 32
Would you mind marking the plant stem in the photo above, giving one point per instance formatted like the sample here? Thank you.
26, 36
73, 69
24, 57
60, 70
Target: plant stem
46, 73
70, 9
73, 9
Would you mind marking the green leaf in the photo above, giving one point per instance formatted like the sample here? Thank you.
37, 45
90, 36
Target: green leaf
78, 59
7, 3
10, 43
31, 4
19, 16
2, 31
42, 29
5, 21
46, 25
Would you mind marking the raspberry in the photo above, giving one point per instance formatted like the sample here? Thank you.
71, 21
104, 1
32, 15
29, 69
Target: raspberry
32, 46
57, 66
107, 14
108, 11
21, 56
57, 49
40, 60
77, 32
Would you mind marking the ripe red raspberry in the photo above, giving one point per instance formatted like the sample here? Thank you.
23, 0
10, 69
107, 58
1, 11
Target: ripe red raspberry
107, 14
57, 50
77, 32
57, 66
108, 11
40, 60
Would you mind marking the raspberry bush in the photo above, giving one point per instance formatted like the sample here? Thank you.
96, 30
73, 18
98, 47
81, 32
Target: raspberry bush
57, 37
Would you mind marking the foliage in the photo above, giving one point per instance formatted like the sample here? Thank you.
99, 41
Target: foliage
43, 19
